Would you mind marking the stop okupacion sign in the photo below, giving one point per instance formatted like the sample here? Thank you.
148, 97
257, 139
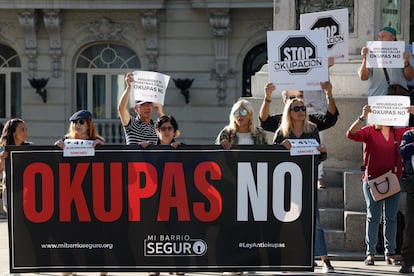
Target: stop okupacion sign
332, 29
298, 55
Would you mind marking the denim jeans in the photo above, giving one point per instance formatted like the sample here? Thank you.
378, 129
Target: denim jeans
388, 208
320, 244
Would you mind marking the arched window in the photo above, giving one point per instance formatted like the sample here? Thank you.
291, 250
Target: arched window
252, 63
100, 78
10, 83
100, 81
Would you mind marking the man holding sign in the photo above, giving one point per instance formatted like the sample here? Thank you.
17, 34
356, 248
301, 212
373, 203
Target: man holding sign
139, 130
378, 76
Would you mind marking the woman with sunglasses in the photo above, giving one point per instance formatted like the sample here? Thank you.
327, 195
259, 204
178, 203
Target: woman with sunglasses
81, 127
167, 130
14, 133
241, 129
295, 124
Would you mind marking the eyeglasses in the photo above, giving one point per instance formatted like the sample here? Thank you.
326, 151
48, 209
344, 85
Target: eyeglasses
241, 112
80, 121
166, 128
297, 108
294, 97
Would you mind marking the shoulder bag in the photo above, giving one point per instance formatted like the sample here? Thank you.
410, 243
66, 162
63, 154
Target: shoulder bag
386, 184
395, 89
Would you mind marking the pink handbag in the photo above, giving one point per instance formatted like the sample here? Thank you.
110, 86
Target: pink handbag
384, 186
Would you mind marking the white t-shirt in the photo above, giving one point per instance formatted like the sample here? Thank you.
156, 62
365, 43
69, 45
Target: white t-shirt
245, 138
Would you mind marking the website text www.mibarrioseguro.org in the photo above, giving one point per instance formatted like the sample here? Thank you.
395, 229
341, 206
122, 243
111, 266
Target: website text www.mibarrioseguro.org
76, 245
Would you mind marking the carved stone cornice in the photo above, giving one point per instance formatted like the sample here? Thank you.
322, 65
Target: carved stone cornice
220, 22
149, 21
28, 23
6, 31
53, 22
104, 29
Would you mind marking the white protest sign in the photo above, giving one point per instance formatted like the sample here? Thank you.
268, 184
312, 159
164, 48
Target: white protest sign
385, 54
150, 86
297, 59
334, 23
78, 147
389, 110
304, 147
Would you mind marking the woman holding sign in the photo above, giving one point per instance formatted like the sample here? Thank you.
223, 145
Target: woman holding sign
295, 124
81, 127
381, 154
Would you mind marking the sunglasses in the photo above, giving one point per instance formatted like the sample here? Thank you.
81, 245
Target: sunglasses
80, 121
166, 128
241, 112
294, 97
297, 108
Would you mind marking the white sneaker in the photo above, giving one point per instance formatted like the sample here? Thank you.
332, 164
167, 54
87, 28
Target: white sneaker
327, 267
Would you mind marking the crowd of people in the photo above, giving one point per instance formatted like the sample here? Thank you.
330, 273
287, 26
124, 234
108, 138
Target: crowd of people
299, 120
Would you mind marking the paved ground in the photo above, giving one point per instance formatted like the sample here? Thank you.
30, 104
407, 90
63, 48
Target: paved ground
345, 264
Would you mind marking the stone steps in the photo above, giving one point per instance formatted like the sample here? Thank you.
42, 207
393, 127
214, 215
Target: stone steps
342, 210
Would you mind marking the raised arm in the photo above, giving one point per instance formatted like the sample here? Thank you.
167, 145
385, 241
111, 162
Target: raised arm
124, 100
265, 108
363, 71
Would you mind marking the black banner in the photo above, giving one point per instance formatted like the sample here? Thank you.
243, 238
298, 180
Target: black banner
196, 208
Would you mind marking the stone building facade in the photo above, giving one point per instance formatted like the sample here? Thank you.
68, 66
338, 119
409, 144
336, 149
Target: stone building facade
82, 49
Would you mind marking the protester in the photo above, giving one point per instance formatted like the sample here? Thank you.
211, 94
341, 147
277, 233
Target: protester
322, 120
295, 124
381, 154
241, 129
407, 249
378, 84
81, 127
139, 130
167, 131
14, 133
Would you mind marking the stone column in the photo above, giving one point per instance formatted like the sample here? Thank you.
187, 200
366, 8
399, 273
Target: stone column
28, 23
149, 21
220, 26
53, 21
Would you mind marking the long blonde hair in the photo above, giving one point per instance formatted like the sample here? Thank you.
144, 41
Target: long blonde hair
232, 120
286, 125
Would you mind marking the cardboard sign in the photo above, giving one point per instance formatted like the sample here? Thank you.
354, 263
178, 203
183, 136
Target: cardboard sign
78, 147
150, 86
389, 110
385, 54
297, 59
304, 147
334, 23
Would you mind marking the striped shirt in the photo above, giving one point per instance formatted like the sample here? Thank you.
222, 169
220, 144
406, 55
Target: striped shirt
138, 131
